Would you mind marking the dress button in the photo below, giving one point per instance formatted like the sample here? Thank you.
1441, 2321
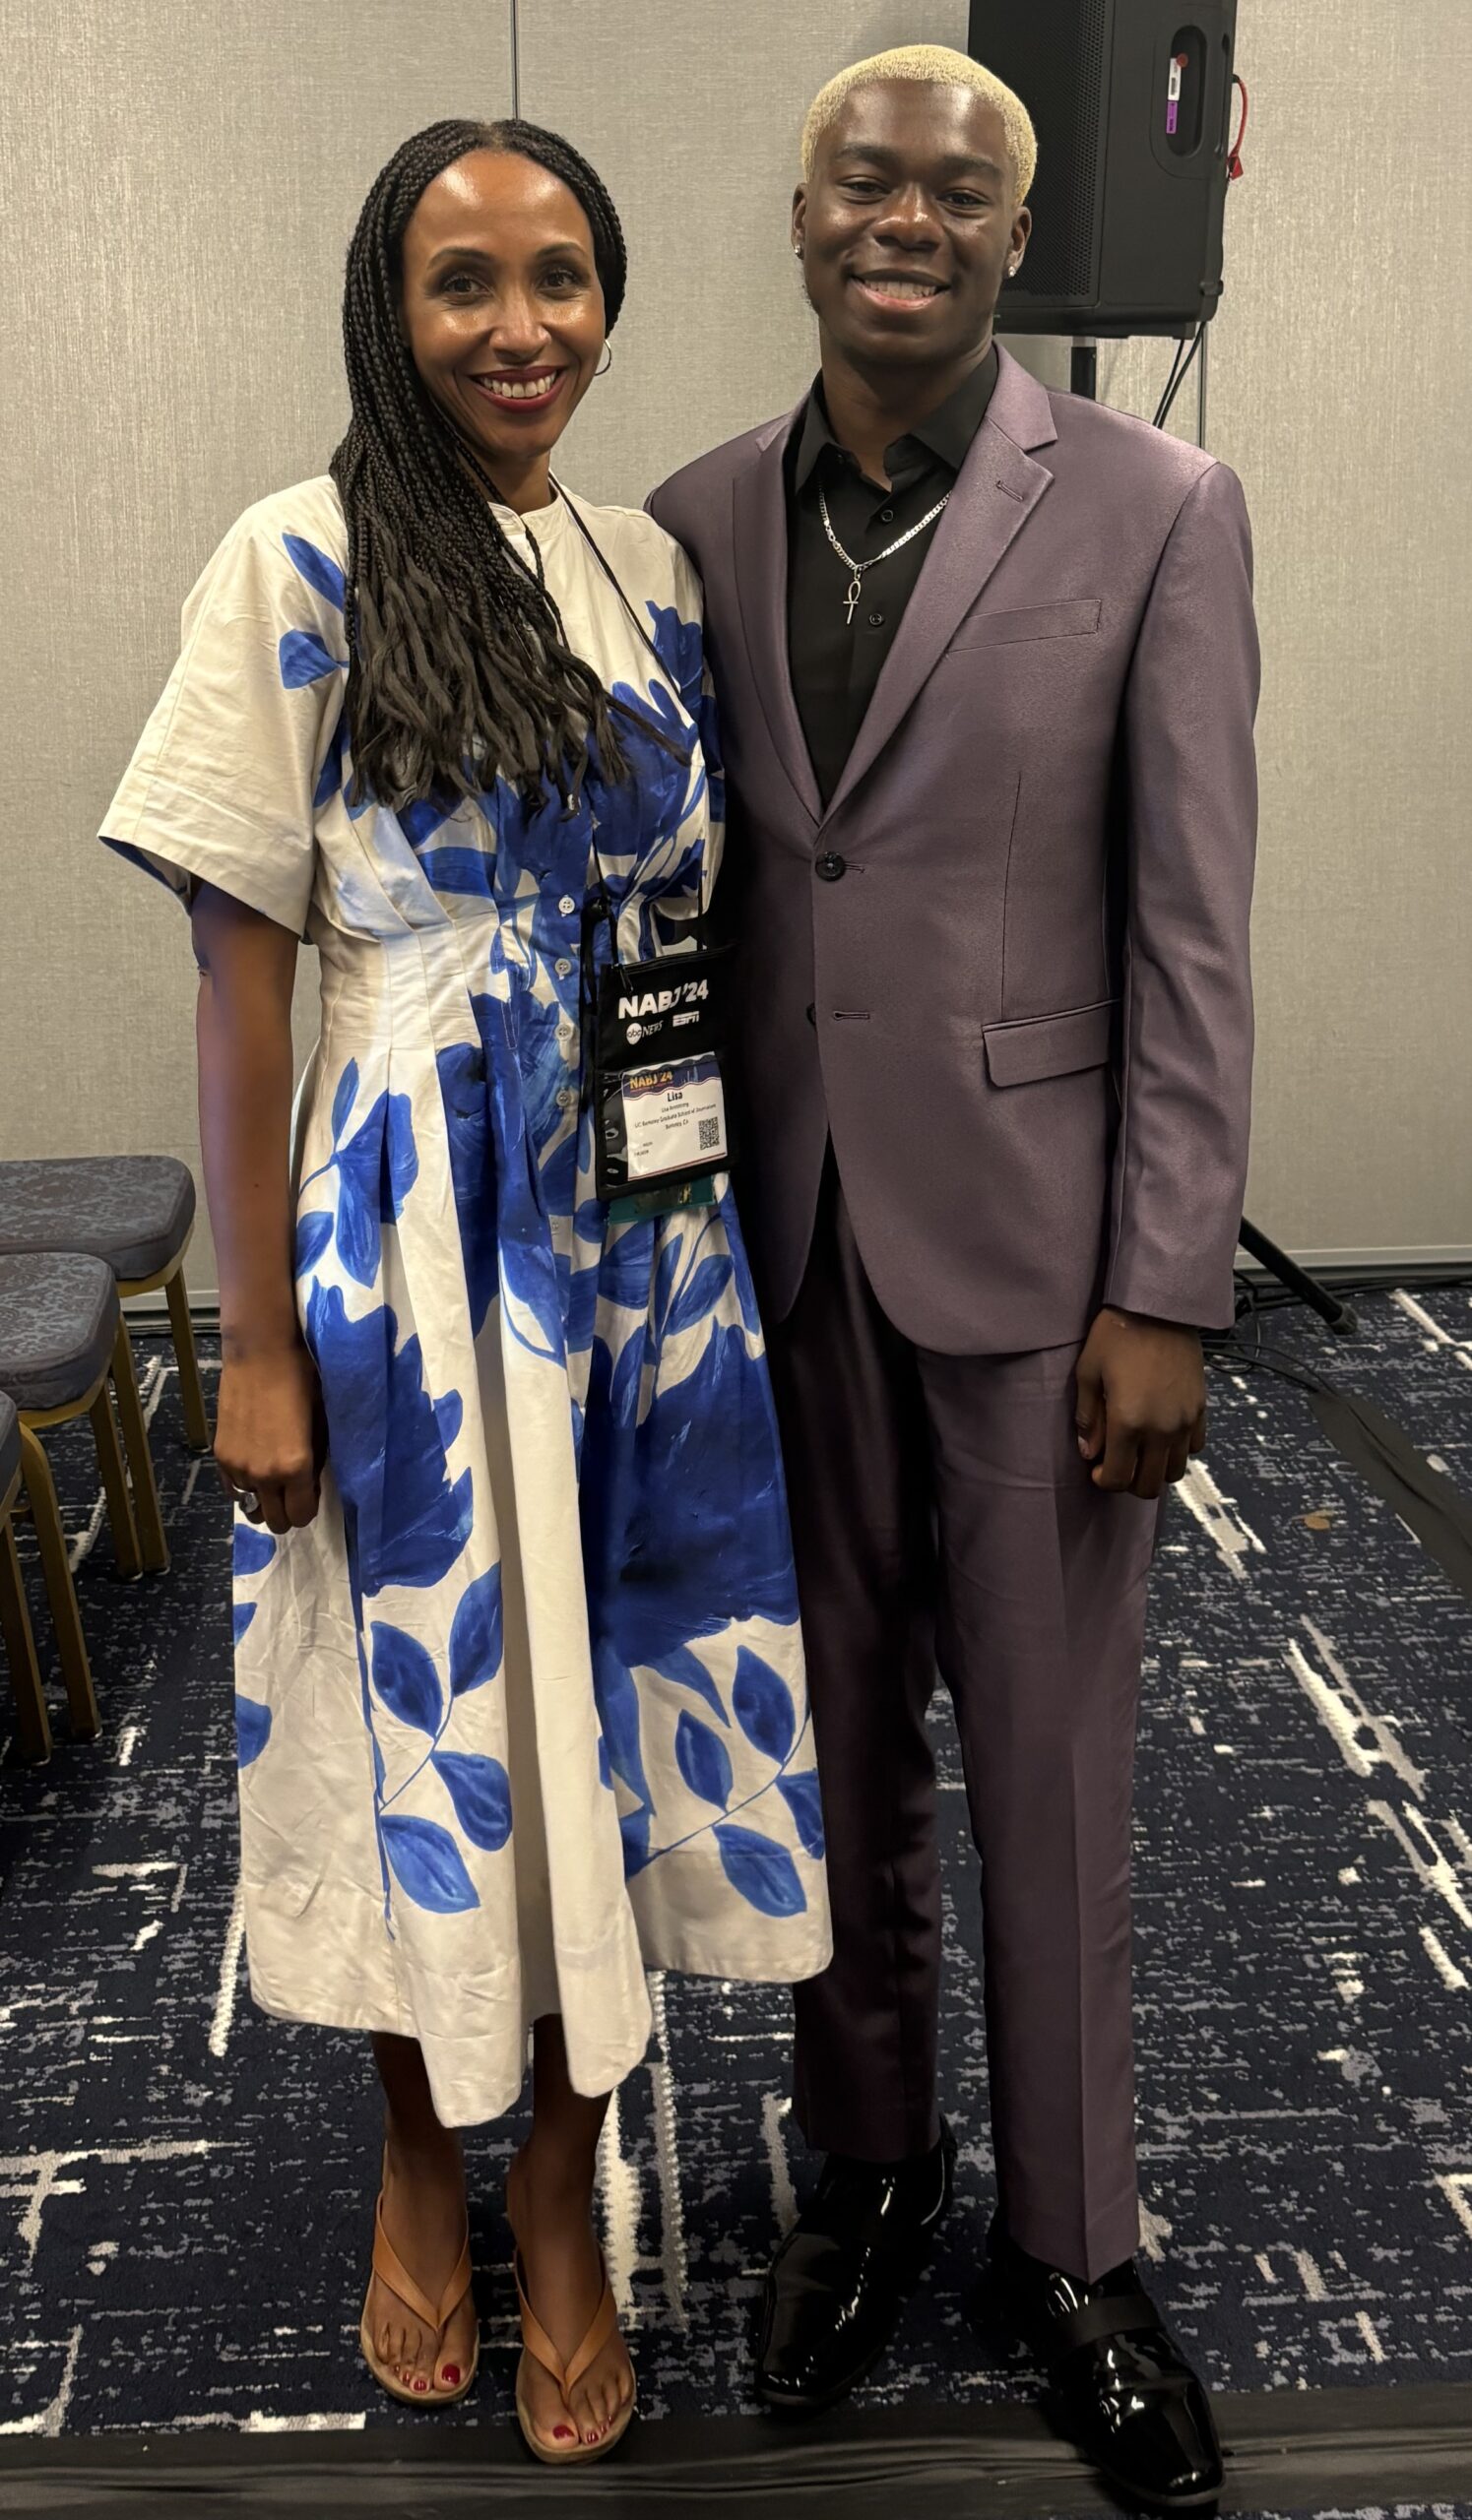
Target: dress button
566, 1033
831, 867
563, 968
566, 1098
566, 905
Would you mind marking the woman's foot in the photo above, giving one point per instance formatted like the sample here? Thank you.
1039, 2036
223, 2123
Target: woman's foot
562, 2267
423, 2217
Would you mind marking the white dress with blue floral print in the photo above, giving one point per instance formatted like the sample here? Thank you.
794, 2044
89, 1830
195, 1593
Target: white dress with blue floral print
522, 1713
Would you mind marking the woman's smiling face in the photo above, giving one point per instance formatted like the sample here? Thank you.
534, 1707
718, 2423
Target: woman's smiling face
503, 307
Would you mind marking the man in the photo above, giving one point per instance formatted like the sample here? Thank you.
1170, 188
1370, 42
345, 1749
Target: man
988, 673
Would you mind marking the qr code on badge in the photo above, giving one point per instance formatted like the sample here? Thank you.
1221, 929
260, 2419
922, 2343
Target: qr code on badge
710, 1134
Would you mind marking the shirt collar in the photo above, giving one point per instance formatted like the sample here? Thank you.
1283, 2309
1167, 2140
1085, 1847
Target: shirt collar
946, 433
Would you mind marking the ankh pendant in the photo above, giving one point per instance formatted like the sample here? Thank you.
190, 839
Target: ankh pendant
855, 587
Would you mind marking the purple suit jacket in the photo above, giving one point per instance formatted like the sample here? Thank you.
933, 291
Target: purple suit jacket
1023, 1011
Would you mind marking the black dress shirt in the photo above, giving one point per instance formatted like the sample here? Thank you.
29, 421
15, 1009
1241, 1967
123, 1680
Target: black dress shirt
835, 664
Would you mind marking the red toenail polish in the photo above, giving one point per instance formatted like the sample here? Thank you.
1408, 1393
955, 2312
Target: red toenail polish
564, 2432
422, 2385
451, 2375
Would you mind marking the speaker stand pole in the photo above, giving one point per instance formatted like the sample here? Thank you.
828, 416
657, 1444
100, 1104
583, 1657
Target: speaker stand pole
1341, 1318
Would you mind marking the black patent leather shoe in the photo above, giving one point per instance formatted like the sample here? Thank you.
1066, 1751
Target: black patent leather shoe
1119, 2385
844, 2273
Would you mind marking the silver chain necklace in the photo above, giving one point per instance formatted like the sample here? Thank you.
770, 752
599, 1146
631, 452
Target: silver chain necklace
858, 567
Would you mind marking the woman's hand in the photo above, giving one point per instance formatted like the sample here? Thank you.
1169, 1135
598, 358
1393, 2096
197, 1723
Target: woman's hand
270, 1433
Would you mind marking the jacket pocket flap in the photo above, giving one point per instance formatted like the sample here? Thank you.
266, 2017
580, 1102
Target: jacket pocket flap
1049, 1045
1038, 621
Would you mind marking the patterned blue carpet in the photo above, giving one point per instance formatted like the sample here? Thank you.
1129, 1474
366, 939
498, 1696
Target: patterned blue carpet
185, 2187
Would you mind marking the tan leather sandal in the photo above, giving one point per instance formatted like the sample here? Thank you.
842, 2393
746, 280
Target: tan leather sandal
537, 2342
390, 2269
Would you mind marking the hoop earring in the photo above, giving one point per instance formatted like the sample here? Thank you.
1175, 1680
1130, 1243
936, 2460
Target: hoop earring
607, 361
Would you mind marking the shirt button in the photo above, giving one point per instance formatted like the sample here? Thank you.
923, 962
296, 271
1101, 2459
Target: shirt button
566, 1098
886, 516
831, 867
563, 968
566, 905
876, 621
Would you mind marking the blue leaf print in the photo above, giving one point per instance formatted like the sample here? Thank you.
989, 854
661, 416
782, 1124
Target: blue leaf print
605, 1772
427, 1865
358, 1162
802, 1798
406, 1522
318, 570
404, 1677
252, 1729
698, 1296
617, 1703
682, 1535
330, 775
462, 1087
762, 1871
763, 1705
480, 1791
343, 1099
633, 1828
458, 870
400, 1158
303, 658
703, 1760
242, 1616
688, 1671
313, 1235
449, 1418
664, 1281
421, 816
379, 1771
253, 1549
476, 1635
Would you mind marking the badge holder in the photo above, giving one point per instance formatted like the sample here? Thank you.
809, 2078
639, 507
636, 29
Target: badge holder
655, 1033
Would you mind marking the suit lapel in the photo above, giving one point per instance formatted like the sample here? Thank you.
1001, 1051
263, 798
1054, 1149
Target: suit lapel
759, 517
996, 491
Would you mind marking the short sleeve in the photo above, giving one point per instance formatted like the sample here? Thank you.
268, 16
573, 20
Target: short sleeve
224, 787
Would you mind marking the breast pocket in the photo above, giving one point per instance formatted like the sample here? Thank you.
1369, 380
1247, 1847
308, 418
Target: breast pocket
1078, 620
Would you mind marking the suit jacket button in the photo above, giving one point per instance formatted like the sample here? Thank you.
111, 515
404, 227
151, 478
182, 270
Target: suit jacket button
830, 868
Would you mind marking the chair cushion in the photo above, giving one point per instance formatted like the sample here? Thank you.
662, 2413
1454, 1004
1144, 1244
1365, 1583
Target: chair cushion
10, 1444
58, 1320
132, 1211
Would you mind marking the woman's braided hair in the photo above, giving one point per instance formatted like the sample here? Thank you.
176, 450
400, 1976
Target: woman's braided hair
458, 663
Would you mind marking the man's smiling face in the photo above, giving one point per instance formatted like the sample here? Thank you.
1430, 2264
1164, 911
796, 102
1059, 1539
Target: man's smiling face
907, 224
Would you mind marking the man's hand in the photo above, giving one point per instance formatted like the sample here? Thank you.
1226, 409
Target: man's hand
1141, 1409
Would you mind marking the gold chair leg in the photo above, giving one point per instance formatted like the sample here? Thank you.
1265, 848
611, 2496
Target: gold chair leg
32, 1724
116, 1485
71, 1644
191, 1388
145, 1507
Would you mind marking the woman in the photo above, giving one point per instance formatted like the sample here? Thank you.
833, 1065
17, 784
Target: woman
520, 1698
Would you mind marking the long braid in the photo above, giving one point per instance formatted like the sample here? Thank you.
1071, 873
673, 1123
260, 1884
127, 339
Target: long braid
459, 667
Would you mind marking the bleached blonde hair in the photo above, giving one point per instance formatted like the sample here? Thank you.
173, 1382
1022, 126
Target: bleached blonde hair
937, 64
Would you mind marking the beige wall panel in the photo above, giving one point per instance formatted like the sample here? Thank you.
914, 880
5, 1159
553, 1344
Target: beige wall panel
179, 178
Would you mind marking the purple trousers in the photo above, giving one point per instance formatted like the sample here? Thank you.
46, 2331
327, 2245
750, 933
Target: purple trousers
943, 1517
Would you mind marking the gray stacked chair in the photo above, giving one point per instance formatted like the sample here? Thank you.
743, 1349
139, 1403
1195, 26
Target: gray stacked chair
32, 1726
60, 1325
136, 1213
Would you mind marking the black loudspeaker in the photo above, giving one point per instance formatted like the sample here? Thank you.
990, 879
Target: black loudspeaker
1131, 101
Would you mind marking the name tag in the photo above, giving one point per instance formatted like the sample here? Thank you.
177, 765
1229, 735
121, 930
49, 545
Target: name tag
674, 1117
